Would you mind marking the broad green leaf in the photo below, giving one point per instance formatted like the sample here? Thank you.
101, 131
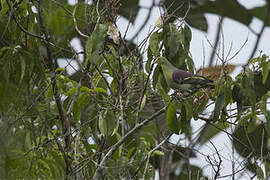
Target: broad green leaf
186, 37
171, 118
94, 43
116, 126
190, 64
164, 94
100, 90
228, 90
252, 139
107, 123
174, 48
209, 131
4, 8
219, 104
163, 83
129, 9
154, 44
156, 75
102, 124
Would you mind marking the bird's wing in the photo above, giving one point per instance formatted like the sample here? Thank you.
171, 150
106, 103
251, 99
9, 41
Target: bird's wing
196, 79
179, 75
183, 77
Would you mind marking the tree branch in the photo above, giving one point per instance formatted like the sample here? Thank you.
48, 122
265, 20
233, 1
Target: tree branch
65, 124
122, 140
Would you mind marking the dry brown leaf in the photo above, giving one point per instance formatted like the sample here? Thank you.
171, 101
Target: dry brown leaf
214, 72
114, 33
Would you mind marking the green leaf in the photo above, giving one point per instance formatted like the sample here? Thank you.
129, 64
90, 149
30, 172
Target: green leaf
102, 124
158, 153
244, 119
209, 131
187, 35
184, 119
116, 127
229, 8
107, 124
4, 8
171, 118
228, 91
260, 173
129, 9
219, 104
154, 43
100, 90
265, 71
174, 47
163, 83
267, 168
95, 42
28, 143
260, 12
187, 10
156, 75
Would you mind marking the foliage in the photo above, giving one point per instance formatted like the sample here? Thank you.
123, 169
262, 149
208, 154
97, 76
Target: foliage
112, 119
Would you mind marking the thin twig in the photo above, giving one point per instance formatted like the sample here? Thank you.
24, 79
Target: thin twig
19, 25
75, 22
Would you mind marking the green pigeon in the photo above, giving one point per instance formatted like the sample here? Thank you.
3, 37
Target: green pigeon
178, 79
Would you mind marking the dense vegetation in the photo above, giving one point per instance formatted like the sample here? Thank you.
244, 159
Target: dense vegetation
114, 116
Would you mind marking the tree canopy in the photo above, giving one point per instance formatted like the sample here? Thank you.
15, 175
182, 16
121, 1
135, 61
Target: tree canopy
113, 118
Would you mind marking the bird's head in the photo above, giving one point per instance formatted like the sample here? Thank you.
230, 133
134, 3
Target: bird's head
161, 61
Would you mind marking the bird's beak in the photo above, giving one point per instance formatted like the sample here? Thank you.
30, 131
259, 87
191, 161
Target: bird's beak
156, 61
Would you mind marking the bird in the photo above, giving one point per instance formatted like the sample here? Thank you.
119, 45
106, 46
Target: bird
181, 80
